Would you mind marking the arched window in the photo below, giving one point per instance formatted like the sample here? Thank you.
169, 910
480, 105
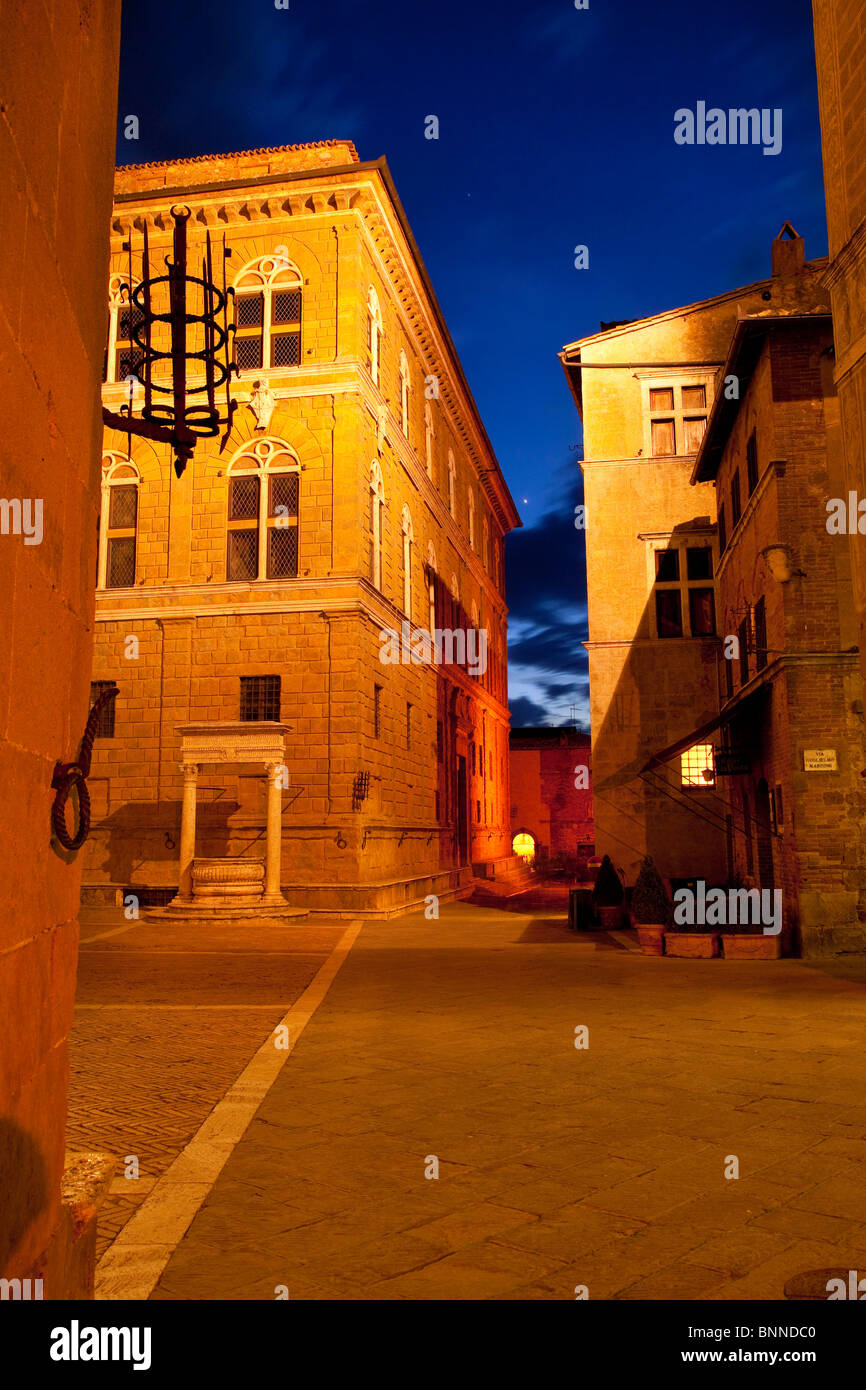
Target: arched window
404, 392
118, 522
431, 584
263, 512
374, 314
485, 543
123, 356
428, 438
377, 516
471, 519
475, 615
455, 601
268, 313
408, 544
452, 484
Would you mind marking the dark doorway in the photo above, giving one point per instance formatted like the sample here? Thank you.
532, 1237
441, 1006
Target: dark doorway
462, 823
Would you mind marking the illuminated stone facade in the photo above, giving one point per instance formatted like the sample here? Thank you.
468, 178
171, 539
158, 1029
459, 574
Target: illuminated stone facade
644, 390
356, 492
792, 694
840, 55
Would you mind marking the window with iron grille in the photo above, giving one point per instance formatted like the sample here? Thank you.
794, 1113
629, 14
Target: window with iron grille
284, 494
267, 324
760, 634
249, 330
242, 561
105, 722
128, 356
736, 510
377, 711
260, 697
752, 462
121, 536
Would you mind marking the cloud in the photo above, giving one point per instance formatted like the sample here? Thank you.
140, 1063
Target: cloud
547, 663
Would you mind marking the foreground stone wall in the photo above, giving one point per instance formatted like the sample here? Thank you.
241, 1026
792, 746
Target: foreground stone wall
57, 111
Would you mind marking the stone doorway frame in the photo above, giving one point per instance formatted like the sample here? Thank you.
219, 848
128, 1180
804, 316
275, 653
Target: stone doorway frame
203, 745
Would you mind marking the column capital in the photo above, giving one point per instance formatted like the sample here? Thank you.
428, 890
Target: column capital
190, 771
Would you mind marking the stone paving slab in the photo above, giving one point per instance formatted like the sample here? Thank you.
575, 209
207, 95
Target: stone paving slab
165, 1022
453, 1041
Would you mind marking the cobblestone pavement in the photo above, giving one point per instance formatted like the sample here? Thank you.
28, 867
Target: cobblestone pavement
165, 1021
452, 1043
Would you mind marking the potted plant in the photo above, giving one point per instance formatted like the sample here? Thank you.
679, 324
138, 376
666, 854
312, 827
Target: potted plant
650, 908
688, 934
608, 894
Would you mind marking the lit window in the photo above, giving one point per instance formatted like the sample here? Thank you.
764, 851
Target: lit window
697, 766
408, 545
118, 525
268, 314
404, 393
374, 316
123, 354
263, 512
677, 419
377, 514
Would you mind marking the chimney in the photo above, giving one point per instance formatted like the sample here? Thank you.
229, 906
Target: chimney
789, 253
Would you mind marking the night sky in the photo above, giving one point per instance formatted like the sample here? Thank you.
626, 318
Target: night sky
555, 130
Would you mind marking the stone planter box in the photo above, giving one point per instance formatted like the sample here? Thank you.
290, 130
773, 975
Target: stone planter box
751, 946
693, 944
228, 878
609, 918
651, 936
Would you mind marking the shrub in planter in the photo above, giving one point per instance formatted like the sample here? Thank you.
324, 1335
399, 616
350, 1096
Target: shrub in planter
608, 894
650, 908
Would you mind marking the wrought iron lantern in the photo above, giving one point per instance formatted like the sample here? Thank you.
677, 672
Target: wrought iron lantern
195, 311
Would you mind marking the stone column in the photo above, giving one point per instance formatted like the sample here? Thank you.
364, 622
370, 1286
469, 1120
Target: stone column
273, 859
187, 831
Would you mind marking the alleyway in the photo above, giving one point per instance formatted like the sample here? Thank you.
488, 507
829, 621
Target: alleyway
452, 1043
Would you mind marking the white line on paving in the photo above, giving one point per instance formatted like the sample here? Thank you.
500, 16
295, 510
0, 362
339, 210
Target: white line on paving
134, 1262
100, 936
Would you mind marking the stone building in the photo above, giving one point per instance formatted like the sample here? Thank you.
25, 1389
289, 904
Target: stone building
551, 794
58, 95
644, 390
840, 54
356, 502
791, 713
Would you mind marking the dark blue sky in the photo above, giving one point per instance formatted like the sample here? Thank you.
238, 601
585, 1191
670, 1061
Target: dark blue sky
555, 129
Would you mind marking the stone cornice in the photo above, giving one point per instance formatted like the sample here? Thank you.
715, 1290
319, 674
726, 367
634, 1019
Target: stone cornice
846, 258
